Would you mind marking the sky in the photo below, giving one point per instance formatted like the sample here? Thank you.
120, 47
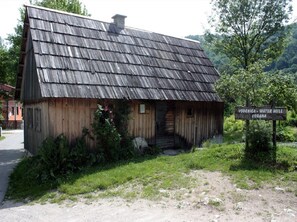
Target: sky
171, 17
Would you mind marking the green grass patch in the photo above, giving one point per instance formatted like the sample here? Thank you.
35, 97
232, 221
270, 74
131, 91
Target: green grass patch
152, 177
2, 138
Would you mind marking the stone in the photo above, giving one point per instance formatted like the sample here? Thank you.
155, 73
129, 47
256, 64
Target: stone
140, 144
239, 206
279, 189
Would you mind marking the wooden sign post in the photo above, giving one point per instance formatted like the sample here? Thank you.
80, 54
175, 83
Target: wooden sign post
262, 113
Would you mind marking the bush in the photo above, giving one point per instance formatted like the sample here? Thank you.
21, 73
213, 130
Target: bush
107, 137
260, 146
233, 130
291, 119
110, 129
286, 134
56, 158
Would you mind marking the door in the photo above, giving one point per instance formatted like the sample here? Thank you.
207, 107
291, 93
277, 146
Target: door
165, 116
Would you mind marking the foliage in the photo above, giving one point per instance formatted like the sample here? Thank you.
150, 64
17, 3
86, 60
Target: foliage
149, 175
291, 119
287, 62
107, 137
286, 134
7, 71
250, 30
122, 110
233, 130
57, 158
73, 6
260, 147
243, 84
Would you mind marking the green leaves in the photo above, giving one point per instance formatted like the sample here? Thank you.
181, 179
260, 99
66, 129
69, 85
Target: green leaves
250, 30
259, 87
73, 6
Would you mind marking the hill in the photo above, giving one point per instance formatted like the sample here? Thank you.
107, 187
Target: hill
287, 62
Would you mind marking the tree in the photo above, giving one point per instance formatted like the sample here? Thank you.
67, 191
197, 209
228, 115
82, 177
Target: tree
250, 32
73, 6
11, 60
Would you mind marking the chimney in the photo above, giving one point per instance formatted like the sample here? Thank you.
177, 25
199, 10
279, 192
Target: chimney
119, 21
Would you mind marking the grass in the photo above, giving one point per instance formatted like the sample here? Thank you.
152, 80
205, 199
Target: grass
2, 138
151, 177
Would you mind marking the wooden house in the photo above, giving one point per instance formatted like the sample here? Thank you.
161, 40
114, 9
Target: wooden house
70, 63
11, 110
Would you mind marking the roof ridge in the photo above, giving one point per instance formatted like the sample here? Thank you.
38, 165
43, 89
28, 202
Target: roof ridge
89, 17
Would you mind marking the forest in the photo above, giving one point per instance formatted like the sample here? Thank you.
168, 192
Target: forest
286, 63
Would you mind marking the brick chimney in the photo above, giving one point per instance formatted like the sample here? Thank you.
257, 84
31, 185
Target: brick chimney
119, 21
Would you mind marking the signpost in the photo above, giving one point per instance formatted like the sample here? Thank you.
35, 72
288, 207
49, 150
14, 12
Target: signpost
262, 113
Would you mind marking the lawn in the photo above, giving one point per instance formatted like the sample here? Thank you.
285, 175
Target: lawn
147, 177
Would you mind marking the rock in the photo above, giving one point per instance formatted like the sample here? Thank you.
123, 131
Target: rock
140, 144
290, 212
279, 189
239, 206
170, 152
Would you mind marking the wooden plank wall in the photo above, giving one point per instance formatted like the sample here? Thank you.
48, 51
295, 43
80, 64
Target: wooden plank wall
142, 124
206, 121
68, 116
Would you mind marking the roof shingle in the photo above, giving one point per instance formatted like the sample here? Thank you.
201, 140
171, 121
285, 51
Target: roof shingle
79, 57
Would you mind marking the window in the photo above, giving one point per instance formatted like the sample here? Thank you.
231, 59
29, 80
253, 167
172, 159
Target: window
37, 119
12, 111
29, 118
144, 109
190, 112
17, 109
141, 108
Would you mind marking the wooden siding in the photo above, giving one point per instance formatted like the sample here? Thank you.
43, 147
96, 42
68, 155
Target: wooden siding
31, 88
205, 122
70, 116
142, 124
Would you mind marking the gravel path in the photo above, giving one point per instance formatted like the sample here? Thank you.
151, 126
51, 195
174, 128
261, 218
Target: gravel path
214, 199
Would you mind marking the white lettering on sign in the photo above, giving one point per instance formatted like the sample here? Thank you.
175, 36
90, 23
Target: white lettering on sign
265, 110
246, 110
259, 116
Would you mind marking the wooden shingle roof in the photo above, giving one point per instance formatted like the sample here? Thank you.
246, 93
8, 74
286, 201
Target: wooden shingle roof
79, 57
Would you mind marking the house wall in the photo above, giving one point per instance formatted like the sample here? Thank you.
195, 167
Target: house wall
70, 116
142, 124
205, 122
12, 114
67, 116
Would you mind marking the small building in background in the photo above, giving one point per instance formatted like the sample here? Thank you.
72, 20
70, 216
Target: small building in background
11, 109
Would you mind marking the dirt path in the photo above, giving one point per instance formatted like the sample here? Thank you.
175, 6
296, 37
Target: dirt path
217, 199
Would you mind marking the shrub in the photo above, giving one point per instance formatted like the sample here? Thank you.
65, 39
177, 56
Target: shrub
53, 156
233, 130
56, 158
286, 134
111, 132
107, 137
260, 146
